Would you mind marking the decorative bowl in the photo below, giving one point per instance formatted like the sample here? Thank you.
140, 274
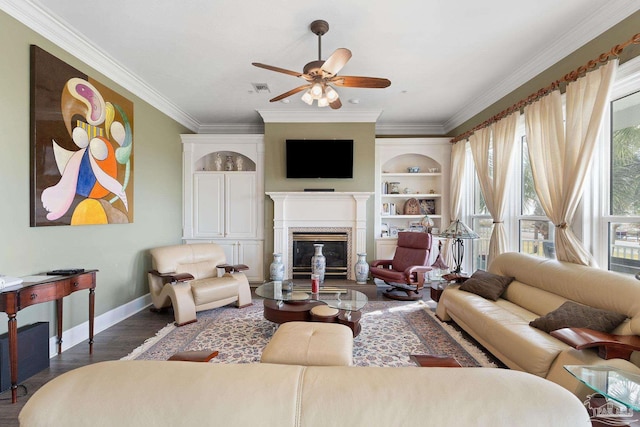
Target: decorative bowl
414, 169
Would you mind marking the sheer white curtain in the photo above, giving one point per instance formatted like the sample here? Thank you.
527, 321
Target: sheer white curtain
458, 157
560, 154
494, 175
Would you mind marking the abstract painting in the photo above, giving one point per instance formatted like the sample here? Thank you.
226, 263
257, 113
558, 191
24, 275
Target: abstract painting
81, 147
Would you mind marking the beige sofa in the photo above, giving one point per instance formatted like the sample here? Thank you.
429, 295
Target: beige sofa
541, 286
153, 393
187, 278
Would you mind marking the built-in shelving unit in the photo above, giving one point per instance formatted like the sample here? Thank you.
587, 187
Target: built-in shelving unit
402, 188
223, 196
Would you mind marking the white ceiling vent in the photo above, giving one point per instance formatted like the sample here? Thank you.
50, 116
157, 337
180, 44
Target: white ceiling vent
261, 87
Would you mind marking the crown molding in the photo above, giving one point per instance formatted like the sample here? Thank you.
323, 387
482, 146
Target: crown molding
59, 32
608, 15
241, 128
320, 116
410, 129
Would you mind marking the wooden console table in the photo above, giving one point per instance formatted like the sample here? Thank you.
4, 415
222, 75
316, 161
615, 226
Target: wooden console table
49, 288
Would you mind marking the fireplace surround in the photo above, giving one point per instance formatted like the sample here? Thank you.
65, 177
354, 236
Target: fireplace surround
320, 212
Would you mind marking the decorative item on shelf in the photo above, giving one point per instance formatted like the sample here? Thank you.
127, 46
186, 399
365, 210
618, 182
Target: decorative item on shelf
239, 162
413, 169
434, 170
393, 231
384, 230
228, 164
412, 207
432, 191
427, 223
218, 162
385, 187
427, 206
362, 269
385, 209
392, 209
276, 269
406, 190
318, 262
393, 188
458, 231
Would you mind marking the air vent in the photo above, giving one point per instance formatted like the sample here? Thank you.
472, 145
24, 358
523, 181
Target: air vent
261, 87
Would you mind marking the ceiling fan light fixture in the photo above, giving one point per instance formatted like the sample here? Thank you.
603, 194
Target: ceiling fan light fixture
307, 97
316, 90
323, 102
331, 94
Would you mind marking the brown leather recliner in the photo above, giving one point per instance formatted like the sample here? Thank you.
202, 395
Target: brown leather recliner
191, 278
405, 272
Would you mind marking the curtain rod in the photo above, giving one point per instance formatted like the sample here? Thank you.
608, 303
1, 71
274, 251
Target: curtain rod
568, 78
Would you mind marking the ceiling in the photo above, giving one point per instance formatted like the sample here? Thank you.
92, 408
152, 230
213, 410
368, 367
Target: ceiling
447, 60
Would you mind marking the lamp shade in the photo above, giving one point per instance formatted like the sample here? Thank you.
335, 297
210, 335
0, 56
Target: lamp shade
459, 230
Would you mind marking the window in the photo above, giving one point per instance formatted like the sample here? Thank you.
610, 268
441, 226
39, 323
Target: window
481, 221
535, 230
607, 220
624, 185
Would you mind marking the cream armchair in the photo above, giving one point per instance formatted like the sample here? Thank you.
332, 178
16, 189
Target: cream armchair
188, 277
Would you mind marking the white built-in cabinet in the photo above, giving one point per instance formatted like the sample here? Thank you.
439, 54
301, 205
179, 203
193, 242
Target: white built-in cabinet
430, 185
223, 196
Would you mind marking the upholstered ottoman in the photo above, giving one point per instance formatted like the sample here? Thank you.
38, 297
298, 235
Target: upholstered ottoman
310, 344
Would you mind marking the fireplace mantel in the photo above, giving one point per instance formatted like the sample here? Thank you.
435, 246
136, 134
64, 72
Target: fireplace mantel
327, 210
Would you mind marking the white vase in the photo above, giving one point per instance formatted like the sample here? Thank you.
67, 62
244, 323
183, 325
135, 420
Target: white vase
362, 269
318, 262
276, 269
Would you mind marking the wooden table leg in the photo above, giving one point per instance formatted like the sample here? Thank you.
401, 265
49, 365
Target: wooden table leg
59, 323
13, 356
92, 300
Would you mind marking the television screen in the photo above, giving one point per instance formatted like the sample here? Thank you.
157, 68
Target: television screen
319, 158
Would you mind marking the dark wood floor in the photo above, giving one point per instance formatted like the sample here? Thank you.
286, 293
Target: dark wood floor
115, 343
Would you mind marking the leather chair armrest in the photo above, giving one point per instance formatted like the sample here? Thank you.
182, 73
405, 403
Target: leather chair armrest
228, 268
172, 277
382, 263
418, 271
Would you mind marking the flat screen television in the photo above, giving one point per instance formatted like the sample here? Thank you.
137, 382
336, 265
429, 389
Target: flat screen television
319, 158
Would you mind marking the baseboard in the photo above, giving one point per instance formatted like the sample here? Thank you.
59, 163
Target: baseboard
80, 333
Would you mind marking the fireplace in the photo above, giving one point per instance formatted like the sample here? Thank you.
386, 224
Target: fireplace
328, 213
335, 250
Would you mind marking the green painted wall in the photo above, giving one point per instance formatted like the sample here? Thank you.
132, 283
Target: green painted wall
118, 251
617, 34
275, 134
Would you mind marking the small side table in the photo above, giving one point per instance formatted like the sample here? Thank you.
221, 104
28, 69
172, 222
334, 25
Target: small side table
195, 356
436, 289
434, 361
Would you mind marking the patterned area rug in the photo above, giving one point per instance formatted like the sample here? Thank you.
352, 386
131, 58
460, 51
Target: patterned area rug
391, 331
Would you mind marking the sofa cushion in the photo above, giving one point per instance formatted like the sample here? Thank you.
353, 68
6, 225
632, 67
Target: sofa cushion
485, 284
574, 315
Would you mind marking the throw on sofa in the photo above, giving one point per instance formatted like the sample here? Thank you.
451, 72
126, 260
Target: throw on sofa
539, 287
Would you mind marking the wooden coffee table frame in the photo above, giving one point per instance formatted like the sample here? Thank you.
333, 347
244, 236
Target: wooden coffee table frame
301, 312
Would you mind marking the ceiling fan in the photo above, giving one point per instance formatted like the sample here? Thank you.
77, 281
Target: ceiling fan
321, 75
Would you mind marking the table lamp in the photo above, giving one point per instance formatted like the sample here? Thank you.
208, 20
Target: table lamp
458, 230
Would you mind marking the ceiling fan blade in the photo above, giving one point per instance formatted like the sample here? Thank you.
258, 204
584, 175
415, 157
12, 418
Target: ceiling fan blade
336, 61
355, 81
335, 104
281, 70
289, 93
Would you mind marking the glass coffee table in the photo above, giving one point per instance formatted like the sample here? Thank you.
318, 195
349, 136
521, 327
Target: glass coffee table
285, 301
612, 383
